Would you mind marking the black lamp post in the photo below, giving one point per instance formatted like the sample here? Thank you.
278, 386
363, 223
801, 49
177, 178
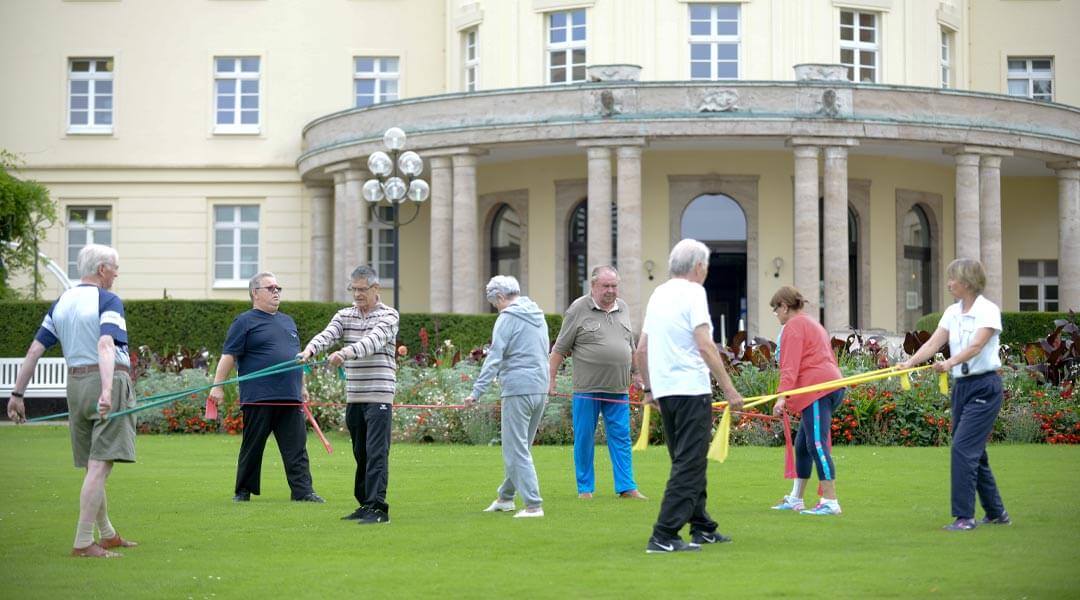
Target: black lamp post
396, 177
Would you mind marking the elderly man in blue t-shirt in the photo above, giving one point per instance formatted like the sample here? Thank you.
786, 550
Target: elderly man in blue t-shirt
260, 338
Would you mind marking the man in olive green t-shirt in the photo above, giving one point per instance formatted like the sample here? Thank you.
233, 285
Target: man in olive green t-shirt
596, 331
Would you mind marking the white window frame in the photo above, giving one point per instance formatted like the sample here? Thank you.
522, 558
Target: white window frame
470, 54
567, 47
1029, 75
375, 226
1041, 280
947, 46
381, 75
240, 77
237, 225
715, 40
95, 223
858, 48
97, 101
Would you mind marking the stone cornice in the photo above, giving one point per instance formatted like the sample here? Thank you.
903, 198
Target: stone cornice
617, 113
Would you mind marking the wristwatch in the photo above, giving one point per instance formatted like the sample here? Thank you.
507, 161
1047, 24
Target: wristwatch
16, 394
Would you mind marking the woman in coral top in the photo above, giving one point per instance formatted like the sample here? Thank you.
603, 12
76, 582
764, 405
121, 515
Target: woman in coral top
806, 358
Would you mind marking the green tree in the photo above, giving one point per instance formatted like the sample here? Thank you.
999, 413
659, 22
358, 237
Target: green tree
26, 211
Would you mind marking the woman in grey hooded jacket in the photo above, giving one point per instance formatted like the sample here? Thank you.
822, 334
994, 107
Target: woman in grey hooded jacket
518, 357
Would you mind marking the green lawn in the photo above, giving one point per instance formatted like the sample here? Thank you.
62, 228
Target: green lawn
197, 544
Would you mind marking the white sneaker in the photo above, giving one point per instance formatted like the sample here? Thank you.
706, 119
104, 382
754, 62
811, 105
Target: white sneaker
500, 506
527, 514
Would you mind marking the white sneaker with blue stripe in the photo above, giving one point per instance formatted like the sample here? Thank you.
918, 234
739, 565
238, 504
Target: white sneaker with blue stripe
790, 503
823, 508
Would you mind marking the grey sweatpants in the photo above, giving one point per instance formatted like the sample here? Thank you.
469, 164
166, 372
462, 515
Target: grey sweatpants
520, 420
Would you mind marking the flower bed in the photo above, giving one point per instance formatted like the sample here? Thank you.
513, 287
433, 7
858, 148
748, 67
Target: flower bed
878, 413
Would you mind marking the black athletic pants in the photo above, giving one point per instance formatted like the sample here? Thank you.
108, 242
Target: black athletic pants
287, 425
687, 424
369, 427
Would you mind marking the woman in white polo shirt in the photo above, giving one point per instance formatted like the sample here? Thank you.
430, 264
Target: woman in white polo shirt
971, 326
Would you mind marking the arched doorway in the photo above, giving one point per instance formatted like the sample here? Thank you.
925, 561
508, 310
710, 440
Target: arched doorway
719, 222
577, 243
506, 243
915, 268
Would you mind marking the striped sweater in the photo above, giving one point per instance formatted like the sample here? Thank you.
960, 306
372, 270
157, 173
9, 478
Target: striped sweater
369, 349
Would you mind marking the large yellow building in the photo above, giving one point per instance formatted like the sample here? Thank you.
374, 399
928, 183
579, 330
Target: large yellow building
848, 146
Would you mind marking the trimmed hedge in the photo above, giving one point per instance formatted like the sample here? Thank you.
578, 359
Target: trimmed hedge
1018, 328
163, 325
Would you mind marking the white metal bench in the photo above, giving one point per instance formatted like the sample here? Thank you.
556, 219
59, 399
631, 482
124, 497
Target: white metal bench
49, 380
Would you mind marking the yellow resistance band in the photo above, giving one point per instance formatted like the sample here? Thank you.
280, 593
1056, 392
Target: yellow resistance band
718, 450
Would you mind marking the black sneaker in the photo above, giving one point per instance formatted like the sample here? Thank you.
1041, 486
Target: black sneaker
712, 537
242, 497
355, 515
656, 546
373, 516
1002, 519
310, 497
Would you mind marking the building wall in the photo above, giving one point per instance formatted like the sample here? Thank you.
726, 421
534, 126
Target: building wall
1025, 28
162, 169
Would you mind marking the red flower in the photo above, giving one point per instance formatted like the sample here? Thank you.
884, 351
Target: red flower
423, 338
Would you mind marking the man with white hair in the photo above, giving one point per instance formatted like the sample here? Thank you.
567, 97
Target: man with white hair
519, 357
675, 355
88, 322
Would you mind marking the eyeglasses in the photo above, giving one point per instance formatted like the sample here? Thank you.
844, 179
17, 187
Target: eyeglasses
362, 290
273, 289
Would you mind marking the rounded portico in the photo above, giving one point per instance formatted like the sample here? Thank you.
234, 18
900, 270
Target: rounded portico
864, 191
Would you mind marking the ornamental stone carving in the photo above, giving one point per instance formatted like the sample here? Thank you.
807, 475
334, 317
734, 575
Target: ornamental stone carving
608, 102
820, 72
607, 105
719, 101
831, 104
613, 72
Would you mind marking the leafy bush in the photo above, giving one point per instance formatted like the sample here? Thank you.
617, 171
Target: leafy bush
164, 324
1017, 328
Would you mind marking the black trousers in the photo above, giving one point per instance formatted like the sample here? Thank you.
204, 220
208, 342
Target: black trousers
369, 427
976, 401
687, 425
287, 425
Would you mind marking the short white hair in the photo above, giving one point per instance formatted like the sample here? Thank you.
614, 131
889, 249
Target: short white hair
92, 256
255, 282
506, 286
685, 255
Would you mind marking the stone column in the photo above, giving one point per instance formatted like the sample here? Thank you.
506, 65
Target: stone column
967, 206
340, 277
441, 267
322, 241
356, 223
598, 251
837, 294
466, 258
629, 242
990, 225
1068, 173
807, 266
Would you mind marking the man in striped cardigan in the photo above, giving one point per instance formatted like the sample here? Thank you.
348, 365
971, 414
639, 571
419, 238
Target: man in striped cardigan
368, 330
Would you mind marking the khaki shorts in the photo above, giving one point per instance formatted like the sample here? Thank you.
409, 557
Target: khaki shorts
95, 438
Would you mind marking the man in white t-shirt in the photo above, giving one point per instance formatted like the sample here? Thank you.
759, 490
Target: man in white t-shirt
675, 355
